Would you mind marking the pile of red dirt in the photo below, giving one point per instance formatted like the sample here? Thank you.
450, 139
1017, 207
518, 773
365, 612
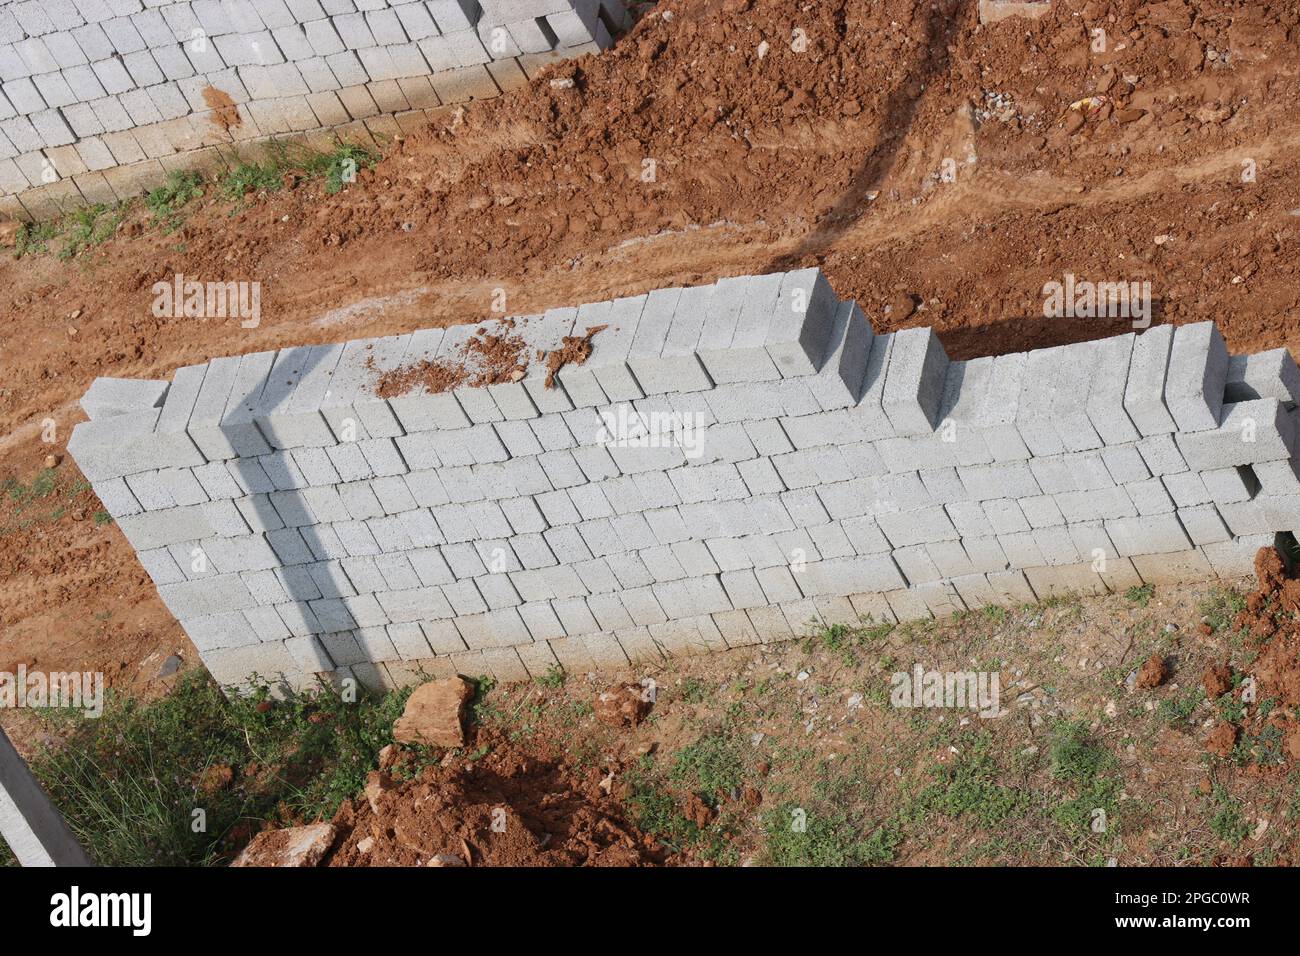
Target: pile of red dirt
1270, 722
512, 806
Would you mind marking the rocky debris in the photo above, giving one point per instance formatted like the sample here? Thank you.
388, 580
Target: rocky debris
435, 714
377, 784
623, 706
295, 846
446, 859
9, 234
1153, 673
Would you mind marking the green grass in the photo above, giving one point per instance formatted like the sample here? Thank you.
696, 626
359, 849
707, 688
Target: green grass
1221, 607
968, 787
129, 782
1228, 823
1141, 594
168, 200
45, 497
711, 766
801, 837
85, 228
90, 226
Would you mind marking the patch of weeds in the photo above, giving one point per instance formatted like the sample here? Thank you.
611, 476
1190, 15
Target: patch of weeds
693, 691
90, 226
1140, 594
1265, 748
247, 178
480, 710
1177, 710
711, 766
799, 837
1081, 762
968, 786
553, 678
102, 518
34, 238
1228, 823
339, 166
166, 201
132, 783
994, 613
655, 811
1220, 607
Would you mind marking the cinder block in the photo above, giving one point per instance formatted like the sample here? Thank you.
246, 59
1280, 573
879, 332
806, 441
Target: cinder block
1150, 534
1240, 483
1271, 374
731, 343
1174, 568
1148, 370
802, 323
1198, 372
914, 381
1249, 432
1065, 580
107, 397
1035, 409
1236, 558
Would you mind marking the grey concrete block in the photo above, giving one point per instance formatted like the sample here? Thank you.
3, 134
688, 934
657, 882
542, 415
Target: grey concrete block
914, 381
1035, 411
1150, 534
108, 397
802, 323
1148, 370
731, 344
1248, 432
1198, 370
1271, 374
1241, 482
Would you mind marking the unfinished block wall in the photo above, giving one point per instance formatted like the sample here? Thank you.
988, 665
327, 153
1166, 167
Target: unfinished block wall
732, 463
99, 99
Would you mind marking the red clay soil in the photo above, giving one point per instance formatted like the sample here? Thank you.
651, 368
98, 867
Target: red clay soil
514, 806
1270, 618
737, 136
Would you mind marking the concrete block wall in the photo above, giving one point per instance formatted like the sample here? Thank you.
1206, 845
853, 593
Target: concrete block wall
99, 99
732, 463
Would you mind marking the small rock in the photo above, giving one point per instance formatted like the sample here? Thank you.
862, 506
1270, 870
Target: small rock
622, 706
295, 846
169, 666
1153, 673
378, 783
52, 461
435, 713
446, 859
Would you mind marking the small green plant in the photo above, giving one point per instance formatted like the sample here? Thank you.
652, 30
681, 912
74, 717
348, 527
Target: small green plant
712, 766
90, 226
800, 837
166, 201
554, 677
1220, 607
1074, 755
1141, 594
340, 166
34, 238
1176, 710
1228, 823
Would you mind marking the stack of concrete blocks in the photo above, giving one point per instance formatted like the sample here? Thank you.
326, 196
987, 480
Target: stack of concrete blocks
733, 464
100, 99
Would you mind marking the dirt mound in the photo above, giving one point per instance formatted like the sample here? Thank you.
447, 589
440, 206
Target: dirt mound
1268, 718
510, 806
